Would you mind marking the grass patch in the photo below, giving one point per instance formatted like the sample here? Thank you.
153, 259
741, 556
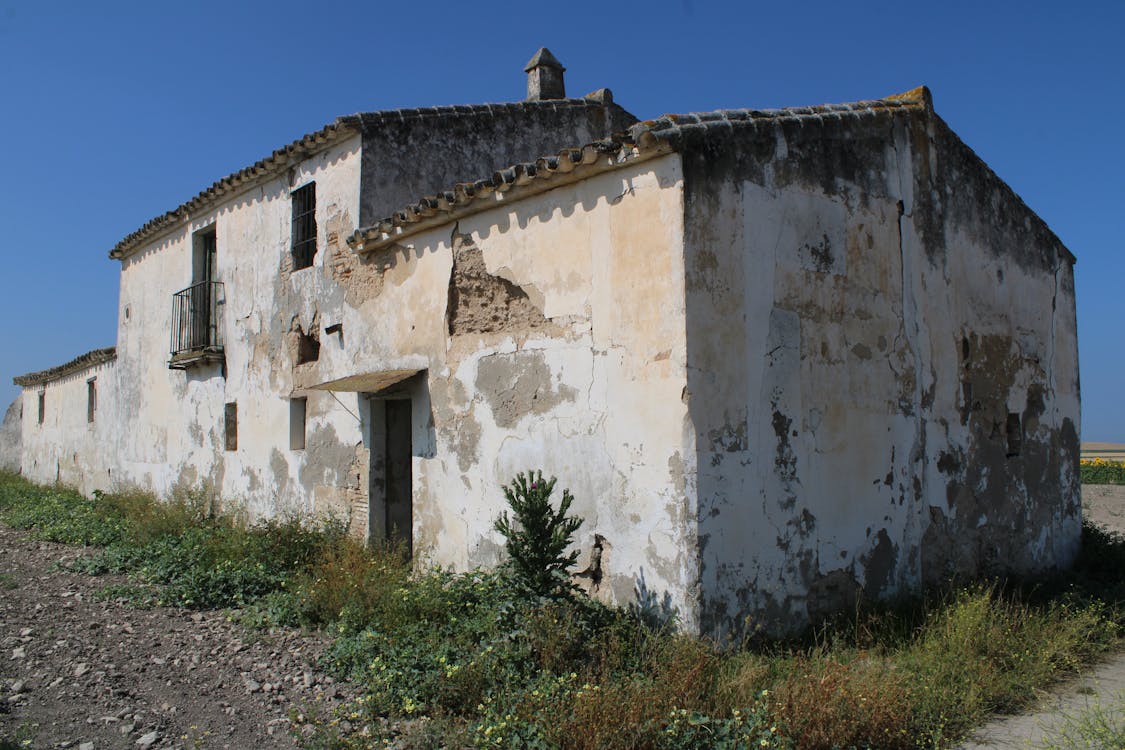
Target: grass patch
183, 552
481, 660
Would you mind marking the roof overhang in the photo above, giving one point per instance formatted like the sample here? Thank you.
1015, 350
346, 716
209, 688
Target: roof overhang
368, 382
505, 186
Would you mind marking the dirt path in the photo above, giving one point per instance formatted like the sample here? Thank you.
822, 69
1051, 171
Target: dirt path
78, 673
1104, 505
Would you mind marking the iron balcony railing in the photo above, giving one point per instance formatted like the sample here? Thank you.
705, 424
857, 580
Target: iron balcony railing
196, 312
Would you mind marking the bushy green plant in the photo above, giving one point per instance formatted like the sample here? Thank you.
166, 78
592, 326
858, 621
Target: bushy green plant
537, 536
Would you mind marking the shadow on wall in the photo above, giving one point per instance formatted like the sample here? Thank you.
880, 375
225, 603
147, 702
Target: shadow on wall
651, 608
11, 437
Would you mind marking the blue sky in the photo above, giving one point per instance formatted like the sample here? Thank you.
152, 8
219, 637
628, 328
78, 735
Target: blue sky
112, 113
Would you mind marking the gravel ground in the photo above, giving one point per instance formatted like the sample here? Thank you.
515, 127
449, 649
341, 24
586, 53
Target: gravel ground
79, 673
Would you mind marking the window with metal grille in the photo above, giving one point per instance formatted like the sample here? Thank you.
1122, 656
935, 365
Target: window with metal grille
304, 226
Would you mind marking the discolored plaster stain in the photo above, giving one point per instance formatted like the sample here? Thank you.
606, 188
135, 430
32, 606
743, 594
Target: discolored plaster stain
187, 479
195, 432
731, 438
454, 420
466, 442
327, 458
818, 255
280, 468
519, 384
785, 460
676, 472
835, 591
880, 564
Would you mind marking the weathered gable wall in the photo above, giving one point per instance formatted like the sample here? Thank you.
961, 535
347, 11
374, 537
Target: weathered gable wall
833, 322
11, 432
552, 334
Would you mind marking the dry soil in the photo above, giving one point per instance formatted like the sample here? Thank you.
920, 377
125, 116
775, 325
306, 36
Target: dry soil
85, 674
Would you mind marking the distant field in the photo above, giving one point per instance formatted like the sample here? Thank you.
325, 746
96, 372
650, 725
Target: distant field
1112, 451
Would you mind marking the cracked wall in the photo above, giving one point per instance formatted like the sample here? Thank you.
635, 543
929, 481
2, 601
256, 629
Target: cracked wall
882, 369
541, 366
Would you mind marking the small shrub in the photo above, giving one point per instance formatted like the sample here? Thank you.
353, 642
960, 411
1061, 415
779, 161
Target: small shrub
351, 584
537, 536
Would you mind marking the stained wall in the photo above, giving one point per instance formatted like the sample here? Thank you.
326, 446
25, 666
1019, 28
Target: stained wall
882, 369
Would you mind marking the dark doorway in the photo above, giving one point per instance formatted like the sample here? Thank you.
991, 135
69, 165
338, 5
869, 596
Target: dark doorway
399, 511
202, 291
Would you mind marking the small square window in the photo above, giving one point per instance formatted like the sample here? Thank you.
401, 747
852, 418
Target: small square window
230, 426
304, 226
297, 410
91, 398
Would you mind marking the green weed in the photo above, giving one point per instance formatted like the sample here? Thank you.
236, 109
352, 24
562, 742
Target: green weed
479, 659
1099, 726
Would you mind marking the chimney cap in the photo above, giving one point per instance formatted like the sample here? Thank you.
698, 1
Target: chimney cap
543, 59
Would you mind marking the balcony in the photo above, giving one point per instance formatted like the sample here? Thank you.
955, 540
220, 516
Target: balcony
197, 337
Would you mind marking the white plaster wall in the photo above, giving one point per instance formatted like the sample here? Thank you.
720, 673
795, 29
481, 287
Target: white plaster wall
66, 447
593, 396
600, 260
825, 373
170, 422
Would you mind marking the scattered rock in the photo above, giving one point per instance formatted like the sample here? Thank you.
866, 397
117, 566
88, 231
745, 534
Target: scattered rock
98, 674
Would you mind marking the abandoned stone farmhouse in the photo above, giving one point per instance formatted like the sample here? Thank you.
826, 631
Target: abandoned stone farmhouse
781, 358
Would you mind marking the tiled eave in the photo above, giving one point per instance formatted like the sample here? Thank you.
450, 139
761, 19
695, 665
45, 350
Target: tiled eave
78, 364
514, 183
264, 169
644, 140
302, 148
